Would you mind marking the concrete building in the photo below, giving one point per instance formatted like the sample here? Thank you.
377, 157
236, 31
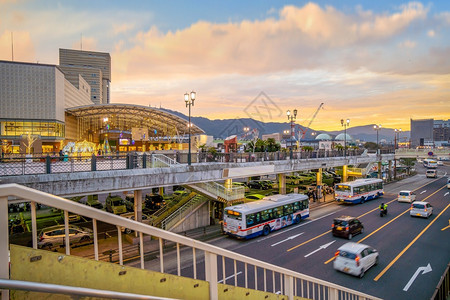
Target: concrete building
441, 132
95, 67
421, 132
33, 99
276, 136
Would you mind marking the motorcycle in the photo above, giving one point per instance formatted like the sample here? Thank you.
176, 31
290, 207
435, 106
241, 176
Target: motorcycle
383, 212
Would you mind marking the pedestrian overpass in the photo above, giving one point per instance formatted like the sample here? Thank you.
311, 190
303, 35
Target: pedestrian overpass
191, 270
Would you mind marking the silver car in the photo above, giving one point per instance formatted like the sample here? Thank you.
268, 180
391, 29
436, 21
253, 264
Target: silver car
54, 236
355, 259
421, 209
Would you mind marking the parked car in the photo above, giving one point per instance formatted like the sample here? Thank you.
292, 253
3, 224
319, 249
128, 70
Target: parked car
115, 205
145, 219
154, 201
241, 184
406, 196
53, 236
92, 201
421, 209
346, 226
355, 259
258, 184
254, 196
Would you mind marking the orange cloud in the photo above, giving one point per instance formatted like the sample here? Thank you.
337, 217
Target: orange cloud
22, 44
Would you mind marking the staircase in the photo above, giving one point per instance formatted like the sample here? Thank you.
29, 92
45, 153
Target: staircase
183, 212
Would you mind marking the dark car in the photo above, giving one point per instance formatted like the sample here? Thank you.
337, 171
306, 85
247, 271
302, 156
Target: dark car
346, 226
257, 184
154, 201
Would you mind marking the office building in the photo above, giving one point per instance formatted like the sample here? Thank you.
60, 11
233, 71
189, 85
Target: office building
95, 67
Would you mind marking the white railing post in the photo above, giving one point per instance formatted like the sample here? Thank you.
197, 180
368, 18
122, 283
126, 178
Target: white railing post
211, 274
289, 286
4, 244
33, 224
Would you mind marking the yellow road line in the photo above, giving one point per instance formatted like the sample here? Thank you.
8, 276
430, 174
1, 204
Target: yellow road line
309, 241
372, 233
407, 247
446, 227
370, 211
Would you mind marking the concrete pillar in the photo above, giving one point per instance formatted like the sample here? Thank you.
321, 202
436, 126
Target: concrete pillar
319, 177
380, 173
395, 169
138, 205
282, 183
228, 183
4, 244
161, 191
344, 173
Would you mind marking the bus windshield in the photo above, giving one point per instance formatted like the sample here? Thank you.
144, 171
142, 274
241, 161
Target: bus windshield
343, 188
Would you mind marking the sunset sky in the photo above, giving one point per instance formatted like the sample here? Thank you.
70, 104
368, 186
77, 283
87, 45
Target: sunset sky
378, 61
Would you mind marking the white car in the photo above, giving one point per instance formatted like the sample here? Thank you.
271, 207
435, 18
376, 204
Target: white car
355, 259
406, 196
440, 163
421, 209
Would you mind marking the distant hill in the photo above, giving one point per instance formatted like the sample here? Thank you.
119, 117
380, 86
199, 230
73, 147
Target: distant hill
221, 129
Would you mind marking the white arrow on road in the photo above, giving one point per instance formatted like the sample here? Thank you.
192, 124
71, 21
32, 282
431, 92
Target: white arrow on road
420, 269
320, 248
289, 238
423, 192
446, 194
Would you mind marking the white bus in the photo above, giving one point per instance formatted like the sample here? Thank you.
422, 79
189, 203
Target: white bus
263, 216
430, 163
359, 191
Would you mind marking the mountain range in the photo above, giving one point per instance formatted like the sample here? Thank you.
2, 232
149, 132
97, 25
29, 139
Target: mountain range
220, 129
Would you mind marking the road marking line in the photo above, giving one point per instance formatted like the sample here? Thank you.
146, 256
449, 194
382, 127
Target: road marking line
287, 239
407, 247
372, 233
370, 211
446, 227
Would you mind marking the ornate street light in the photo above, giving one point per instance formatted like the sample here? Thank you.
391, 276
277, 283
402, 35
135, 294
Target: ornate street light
189, 99
377, 128
345, 124
292, 116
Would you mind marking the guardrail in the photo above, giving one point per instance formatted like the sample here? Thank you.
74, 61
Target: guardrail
442, 291
16, 166
219, 263
226, 193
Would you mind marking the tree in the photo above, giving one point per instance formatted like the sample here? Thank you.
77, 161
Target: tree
408, 162
307, 148
370, 146
272, 145
29, 141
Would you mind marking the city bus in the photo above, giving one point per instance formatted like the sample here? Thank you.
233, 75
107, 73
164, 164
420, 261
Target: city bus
430, 163
264, 216
359, 191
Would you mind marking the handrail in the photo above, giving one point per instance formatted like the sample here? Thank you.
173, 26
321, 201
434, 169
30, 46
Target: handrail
179, 212
227, 193
211, 252
71, 290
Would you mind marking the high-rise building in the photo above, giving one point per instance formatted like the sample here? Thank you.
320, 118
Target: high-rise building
421, 132
441, 132
95, 67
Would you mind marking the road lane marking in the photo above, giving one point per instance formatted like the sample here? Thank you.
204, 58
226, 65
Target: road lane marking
424, 270
409, 245
320, 248
289, 238
370, 211
446, 194
229, 277
446, 227
372, 233
423, 192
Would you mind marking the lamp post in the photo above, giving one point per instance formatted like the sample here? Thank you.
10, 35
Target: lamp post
377, 128
291, 117
345, 124
396, 134
105, 120
189, 99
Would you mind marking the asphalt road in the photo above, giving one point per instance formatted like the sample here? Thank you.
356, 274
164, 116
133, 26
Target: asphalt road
405, 243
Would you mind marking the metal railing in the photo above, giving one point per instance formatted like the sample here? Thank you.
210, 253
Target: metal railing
442, 291
220, 265
178, 215
219, 190
38, 164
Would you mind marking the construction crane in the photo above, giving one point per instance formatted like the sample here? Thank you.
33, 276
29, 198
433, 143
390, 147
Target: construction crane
303, 131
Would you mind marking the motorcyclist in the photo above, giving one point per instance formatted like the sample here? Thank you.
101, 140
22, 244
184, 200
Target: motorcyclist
383, 208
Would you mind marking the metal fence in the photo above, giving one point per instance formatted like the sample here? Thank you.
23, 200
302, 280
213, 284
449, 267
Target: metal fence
221, 266
37, 164
442, 291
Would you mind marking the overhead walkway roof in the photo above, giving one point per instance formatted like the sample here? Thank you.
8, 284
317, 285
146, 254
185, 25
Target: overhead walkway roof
128, 116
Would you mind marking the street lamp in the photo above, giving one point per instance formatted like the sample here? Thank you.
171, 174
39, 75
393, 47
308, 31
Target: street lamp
345, 124
292, 116
189, 99
396, 137
377, 128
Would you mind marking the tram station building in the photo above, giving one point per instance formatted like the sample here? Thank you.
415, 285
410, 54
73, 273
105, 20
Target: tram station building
44, 107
